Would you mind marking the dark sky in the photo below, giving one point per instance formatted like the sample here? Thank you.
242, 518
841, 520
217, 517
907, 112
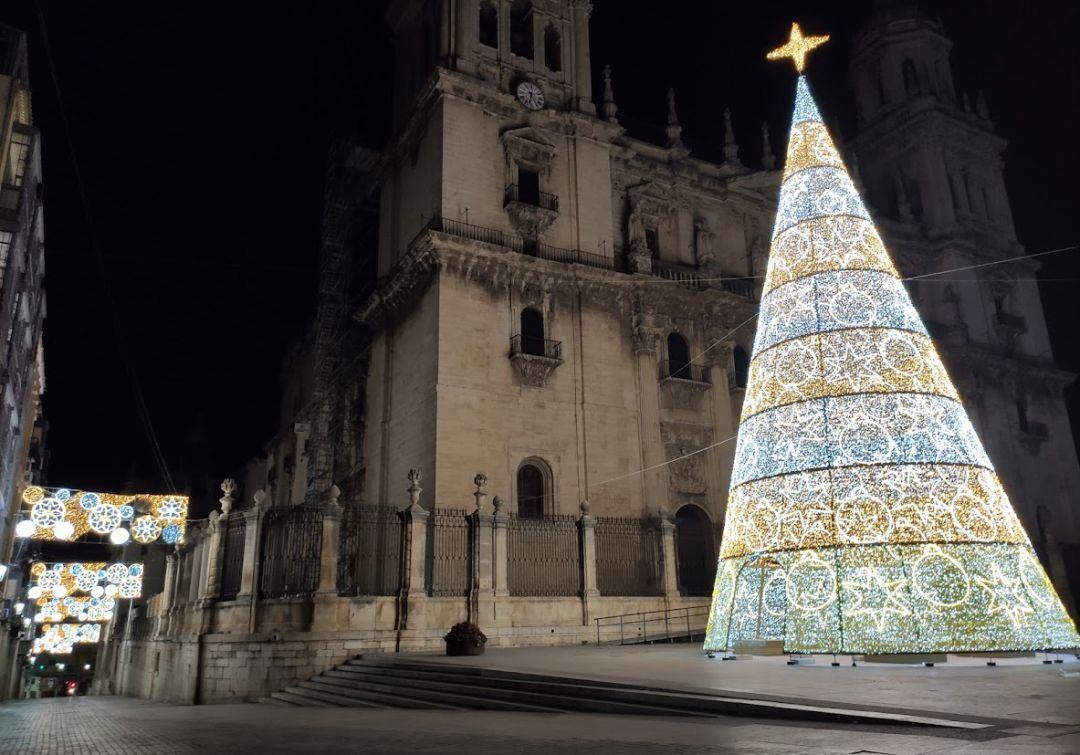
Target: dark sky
201, 130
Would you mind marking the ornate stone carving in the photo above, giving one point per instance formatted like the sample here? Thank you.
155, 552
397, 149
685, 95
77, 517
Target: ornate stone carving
528, 146
703, 243
686, 474
228, 487
534, 370
684, 393
529, 220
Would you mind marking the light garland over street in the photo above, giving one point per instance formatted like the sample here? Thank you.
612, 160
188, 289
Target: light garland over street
63, 514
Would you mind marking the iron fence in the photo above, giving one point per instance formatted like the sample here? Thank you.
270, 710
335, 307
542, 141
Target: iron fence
290, 552
536, 198
449, 531
628, 556
142, 627
540, 347
232, 561
369, 559
543, 555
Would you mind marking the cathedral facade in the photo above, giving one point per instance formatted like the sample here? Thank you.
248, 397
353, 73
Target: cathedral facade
535, 427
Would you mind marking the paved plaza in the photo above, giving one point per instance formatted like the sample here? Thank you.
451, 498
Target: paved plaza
1026, 707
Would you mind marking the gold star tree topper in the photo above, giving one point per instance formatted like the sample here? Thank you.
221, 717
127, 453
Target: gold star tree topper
797, 47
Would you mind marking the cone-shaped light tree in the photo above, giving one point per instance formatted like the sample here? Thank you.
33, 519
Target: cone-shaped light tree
864, 515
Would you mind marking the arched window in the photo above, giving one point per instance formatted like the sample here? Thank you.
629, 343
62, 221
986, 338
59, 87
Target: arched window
531, 490
742, 366
521, 28
695, 551
678, 354
552, 49
911, 79
532, 332
489, 24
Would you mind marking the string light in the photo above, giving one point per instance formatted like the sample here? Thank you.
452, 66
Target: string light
864, 515
64, 514
83, 591
61, 639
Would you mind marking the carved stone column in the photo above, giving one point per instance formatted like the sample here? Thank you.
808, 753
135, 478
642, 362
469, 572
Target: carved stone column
725, 422
670, 577
646, 341
589, 587
582, 61
501, 562
413, 580
212, 545
481, 596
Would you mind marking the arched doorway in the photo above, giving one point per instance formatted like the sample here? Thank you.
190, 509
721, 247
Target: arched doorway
696, 553
532, 490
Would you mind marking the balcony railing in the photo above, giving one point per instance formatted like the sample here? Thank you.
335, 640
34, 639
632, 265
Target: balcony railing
683, 276
537, 347
535, 198
686, 371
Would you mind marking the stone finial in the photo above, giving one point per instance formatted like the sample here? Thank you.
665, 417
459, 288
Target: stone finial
903, 205
608, 108
980, 106
731, 148
768, 159
333, 495
414, 487
584, 506
260, 498
497, 503
228, 487
674, 130
480, 481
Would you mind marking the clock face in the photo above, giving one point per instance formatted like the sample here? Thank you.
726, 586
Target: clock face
530, 95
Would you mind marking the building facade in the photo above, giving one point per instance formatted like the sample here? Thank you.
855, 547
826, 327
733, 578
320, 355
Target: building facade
533, 424
22, 312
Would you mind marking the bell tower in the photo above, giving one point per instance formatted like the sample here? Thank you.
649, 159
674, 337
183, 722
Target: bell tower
502, 42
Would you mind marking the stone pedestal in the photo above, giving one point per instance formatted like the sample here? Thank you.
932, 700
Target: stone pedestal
324, 611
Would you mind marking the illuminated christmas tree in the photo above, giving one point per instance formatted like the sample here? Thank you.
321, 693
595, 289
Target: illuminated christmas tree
864, 515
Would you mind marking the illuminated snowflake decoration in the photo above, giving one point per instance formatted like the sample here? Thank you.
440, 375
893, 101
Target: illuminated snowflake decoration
60, 513
864, 515
172, 508
105, 518
47, 512
83, 591
60, 639
145, 529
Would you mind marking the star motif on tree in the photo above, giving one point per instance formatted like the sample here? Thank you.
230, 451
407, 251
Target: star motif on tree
877, 597
797, 47
1006, 596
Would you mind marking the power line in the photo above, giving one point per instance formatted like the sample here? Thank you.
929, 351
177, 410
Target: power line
125, 358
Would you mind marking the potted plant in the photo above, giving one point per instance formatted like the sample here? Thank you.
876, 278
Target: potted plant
465, 639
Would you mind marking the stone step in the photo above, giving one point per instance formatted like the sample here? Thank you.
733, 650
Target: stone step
479, 672
294, 696
551, 695
460, 696
321, 689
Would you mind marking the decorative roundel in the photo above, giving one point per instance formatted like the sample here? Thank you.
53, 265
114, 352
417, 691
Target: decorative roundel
116, 573
37, 569
108, 604
33, 494
86, 580
135, 570
127, 511
131, 587
49, 580
172, 508
104, 518
58, 567
62, 494
89, 500
171, 534
76, 569
145, 529
47, 512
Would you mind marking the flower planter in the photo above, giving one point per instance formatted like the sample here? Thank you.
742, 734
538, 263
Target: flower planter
464, 647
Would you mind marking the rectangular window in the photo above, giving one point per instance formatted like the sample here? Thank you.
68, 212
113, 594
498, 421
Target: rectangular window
652, 241
18, 155
528, 186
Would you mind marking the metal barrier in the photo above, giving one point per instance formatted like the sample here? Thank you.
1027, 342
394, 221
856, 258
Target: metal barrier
543, 556
665, 625
290, 553
450, 538
369, 559
232, 562
628, 556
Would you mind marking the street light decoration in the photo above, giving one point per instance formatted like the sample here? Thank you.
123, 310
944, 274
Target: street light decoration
64, 514
82, 591
61, 639
864, 515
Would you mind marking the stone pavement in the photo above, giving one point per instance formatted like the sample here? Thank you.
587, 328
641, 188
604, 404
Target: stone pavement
123, 725
1022, 689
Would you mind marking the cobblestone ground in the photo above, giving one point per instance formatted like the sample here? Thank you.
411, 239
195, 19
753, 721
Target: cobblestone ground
121, 725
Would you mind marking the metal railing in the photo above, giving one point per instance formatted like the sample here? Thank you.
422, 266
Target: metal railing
627, 556
684, 277
665, 625
537, 347
369, 556
537, 199
232, 562
450, 539
543, 556
291, 549
738, 286
685, 371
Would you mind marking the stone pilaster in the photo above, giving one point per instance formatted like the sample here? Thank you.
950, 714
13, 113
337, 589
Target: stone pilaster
249, 575
648, 378
324, 613
169, 591
724, 421
582, 9
500, 554
670, 575
213, 545
416, 527
589, 587
482, 594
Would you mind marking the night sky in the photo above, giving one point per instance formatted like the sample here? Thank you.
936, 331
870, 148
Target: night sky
201, 130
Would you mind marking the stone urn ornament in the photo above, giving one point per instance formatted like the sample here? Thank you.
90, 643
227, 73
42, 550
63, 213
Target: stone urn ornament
465, 639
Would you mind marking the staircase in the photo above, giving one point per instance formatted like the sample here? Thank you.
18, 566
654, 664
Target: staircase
390, 681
